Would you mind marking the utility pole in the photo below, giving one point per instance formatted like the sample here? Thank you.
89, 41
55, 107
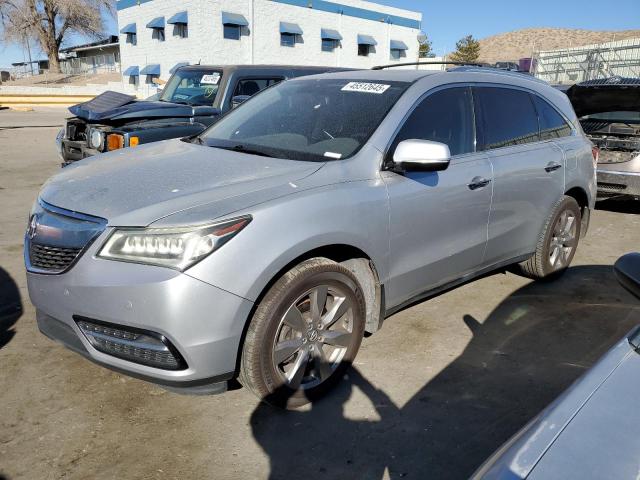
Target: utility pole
29, 52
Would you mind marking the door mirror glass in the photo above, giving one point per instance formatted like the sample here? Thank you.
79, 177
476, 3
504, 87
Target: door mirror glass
421, 155
627, 270
238, 99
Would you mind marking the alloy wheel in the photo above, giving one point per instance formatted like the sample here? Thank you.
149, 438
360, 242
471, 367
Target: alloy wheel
313, 337
563, 240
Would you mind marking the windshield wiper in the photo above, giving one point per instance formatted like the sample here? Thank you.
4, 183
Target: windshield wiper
245, 149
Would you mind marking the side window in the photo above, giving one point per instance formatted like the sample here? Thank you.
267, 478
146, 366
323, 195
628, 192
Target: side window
552, 125
251, 86
446, 117
507, 117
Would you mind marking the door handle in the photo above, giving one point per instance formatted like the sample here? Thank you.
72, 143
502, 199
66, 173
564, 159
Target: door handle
551, 166
478, 182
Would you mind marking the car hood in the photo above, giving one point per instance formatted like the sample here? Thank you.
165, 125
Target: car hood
138, 186
114, 106
588, 99
568, 438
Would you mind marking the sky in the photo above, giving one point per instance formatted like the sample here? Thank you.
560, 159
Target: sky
446, 21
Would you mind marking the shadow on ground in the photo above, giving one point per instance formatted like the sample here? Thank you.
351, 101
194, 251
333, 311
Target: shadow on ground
10, 307
619, 205
531, 347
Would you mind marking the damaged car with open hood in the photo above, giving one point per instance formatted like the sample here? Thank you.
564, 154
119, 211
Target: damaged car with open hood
609, 112
193, 98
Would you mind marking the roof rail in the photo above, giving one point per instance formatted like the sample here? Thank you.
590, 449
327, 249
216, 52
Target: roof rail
382, 67
468, 68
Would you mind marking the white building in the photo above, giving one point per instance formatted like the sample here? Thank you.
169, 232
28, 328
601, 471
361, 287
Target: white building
157, 35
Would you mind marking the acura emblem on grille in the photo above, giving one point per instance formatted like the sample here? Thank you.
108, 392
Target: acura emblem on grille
33, 227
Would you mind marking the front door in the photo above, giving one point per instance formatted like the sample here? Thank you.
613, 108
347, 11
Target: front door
438, 220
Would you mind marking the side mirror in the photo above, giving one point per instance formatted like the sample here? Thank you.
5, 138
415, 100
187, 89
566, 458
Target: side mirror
238, 99
206, 111
627, 270
422, 155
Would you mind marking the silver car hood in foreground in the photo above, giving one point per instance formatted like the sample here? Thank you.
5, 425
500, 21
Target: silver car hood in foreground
138, 186
589, 432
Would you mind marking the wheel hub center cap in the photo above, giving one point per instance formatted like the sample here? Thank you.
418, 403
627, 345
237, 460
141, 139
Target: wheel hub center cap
313, 335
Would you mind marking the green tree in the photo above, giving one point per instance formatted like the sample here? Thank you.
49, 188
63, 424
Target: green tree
424, 48
467, 50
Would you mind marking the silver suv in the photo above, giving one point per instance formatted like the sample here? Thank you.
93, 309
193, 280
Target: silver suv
264, 248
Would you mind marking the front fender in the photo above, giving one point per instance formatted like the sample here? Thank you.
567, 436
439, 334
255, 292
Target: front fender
351, 213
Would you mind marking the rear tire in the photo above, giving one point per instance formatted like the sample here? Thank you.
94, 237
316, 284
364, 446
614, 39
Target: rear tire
304, 333
558, 241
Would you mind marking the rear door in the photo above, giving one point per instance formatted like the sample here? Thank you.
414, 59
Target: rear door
528, 172
438, 220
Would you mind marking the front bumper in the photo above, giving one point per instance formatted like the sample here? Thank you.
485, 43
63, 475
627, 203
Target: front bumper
613, 183
204, 323
72, 151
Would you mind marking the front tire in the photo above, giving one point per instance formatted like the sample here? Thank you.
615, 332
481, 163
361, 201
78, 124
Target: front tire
304, 333
558, 241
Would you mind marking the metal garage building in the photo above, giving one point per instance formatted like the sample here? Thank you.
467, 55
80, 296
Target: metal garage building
156, 35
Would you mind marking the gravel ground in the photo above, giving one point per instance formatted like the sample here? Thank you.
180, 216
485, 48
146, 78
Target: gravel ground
435, 392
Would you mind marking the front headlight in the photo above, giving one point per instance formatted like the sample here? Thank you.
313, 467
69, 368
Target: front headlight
177, 248
96, 139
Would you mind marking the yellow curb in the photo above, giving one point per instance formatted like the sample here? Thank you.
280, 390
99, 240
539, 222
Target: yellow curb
23, 100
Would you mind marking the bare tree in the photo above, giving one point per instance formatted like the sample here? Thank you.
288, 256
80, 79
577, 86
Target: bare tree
50, 21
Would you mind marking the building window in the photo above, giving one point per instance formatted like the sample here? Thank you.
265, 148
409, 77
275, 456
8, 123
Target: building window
158, 34
397, 54
132, 38
329, 45
288, 39
363, 50
231, 32
181, 30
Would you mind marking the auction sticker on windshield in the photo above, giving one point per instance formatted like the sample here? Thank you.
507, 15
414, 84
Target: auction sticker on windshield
365, 87
211, 79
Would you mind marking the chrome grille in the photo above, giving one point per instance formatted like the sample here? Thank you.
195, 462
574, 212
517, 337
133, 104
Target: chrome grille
56, 237
52, 258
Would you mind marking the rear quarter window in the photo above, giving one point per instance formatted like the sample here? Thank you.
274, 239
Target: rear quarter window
552, 125
507, 117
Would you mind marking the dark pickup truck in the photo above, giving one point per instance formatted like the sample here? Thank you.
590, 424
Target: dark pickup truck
193, 98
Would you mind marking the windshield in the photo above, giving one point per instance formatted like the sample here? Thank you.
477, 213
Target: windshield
614, 117
309, 119
193, 87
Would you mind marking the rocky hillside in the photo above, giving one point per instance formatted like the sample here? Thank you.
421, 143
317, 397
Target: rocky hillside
521, 43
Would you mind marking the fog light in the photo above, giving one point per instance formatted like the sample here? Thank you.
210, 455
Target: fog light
132, 344
115, 141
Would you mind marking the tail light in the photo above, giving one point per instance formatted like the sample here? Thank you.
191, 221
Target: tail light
115, 141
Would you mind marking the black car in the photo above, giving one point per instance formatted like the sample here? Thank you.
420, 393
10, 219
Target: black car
194, 98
